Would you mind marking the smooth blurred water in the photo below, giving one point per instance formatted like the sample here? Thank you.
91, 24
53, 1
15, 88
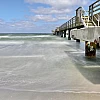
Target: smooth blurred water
42, 64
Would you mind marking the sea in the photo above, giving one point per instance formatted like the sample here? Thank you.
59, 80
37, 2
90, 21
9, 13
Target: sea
46, 67
18, 36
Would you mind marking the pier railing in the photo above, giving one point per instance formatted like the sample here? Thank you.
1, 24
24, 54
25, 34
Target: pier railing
84, 18
68, 25
72, 23
94, 12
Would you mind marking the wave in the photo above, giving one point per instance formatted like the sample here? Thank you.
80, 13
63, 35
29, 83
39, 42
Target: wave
11, 42
35, 36
4, 37
51, 91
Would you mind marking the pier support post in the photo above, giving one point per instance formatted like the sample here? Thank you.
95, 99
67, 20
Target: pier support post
90, 49
97, 43
97, 46
61, 33
64, 33
57, 33
69, 38
77, 40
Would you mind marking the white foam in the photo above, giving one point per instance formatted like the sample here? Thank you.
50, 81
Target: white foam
39, 36
42, 36
55, 42
51, 91
78, 52
11, 42
22, 56
92, 66
4, 36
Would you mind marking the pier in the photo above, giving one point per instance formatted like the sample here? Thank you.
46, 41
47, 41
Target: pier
84, 26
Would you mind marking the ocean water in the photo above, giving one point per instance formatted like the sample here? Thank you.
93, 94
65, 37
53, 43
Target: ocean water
28, 62
45, 67
22, 36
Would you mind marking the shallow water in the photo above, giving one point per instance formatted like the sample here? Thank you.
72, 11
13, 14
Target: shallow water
45, 65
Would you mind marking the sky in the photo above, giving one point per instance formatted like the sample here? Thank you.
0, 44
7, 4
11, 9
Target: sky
37, 16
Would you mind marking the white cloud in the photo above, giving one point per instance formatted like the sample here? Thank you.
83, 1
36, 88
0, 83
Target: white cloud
63, 17
26, 26
47, 18
16, 26
59, 3
42, 10
49, 14
22, 24
2, 22
55, 9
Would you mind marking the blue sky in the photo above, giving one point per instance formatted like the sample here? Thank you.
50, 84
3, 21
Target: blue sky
35, 16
